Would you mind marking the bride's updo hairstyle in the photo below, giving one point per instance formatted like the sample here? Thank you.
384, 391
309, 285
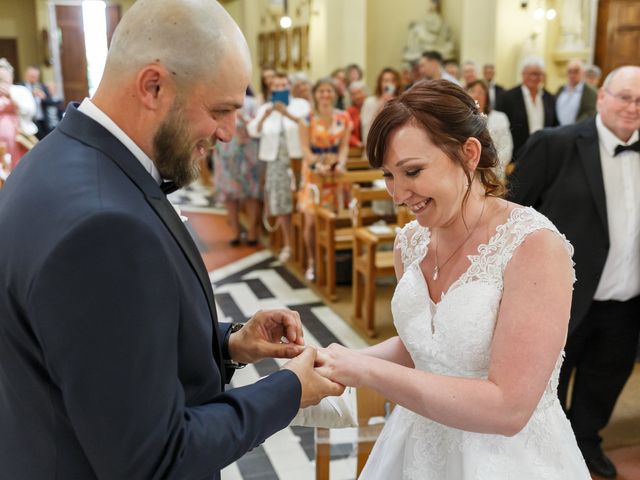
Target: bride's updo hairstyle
449, 117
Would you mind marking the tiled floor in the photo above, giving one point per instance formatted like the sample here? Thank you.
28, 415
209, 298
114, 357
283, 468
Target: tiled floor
289, 455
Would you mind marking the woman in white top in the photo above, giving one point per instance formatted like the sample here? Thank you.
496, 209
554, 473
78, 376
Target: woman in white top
497, 123
276, 125
387, 87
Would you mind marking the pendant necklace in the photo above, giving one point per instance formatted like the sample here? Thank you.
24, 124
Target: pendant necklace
438, 267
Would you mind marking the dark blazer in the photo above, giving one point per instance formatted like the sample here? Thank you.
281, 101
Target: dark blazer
588, 100
512, 103
110, 355
559, 173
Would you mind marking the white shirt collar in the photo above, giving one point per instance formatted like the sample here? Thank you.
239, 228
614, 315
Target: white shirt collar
92, 111
527, 93
609, 140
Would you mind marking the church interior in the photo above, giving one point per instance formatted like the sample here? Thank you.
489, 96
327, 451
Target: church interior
344, 296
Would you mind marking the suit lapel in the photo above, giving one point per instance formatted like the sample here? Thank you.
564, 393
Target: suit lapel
523, 111
86, 130
589, 151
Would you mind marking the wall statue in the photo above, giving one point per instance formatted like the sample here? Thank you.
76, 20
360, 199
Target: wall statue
429, 33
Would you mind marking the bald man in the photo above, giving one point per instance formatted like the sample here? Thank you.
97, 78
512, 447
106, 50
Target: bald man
575, 101
112, 361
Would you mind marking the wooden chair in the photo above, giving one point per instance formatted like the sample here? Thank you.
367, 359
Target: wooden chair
370, 404
368, 262
334, 230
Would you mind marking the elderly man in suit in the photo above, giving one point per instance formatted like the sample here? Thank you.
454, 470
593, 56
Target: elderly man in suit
575, 101
112, 361
586, 179
43, 98
528, 106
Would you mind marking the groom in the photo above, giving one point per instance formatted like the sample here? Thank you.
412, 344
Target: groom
112, 362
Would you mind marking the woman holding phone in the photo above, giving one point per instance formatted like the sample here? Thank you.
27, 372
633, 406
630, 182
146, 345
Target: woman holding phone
276, 125
387, 87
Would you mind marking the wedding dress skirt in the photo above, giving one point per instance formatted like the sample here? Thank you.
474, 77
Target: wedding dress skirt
453, 337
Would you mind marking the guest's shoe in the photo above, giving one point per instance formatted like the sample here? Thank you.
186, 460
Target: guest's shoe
600, 464
310, 274
285, 255
252, 243
235, 242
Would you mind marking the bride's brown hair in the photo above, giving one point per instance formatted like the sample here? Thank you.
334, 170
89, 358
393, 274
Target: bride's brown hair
449, 116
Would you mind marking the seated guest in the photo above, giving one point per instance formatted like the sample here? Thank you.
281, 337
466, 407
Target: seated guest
358, 93
497, 124
529, 106
575, 101
42, 97
452, 68
387, 87
469, 73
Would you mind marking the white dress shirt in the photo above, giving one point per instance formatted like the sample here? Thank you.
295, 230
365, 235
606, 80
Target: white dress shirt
92, 111
568, 103
535, 110
621, 174
25, 108
272, 126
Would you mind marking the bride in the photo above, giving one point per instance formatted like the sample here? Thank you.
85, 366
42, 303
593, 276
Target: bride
481, 309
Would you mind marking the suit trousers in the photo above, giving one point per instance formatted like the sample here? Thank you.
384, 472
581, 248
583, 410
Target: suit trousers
602, 352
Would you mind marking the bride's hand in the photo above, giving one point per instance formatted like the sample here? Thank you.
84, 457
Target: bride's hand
342, 365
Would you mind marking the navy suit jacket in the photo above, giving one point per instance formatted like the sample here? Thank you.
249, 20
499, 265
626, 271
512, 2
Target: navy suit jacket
559, 174
512, 103
110, 355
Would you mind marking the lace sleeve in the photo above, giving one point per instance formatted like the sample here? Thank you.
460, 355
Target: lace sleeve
412, 241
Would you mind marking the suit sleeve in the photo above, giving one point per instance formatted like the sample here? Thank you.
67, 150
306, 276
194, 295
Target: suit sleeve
104, 308
530, 176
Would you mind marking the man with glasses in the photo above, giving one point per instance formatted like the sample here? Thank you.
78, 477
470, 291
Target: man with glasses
529, 106
575, 101
586, 179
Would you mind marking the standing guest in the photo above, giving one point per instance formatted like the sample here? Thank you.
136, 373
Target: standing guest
339, 78
592, 75
586, 179
481, 309
276, 125
266, 77
353, 73
17, 107
452, 67
387, 87
42, 97
238, 175
301, 87
529, 106
469, 73
430, 67
324, 135
497, 124
113, 361
358, 94
495, 90
575, 101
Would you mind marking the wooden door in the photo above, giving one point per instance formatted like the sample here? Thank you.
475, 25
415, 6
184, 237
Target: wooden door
9, 50
113, 14
618, 34
73, 57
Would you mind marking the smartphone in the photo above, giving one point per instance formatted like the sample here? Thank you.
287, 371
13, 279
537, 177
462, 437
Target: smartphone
281, 96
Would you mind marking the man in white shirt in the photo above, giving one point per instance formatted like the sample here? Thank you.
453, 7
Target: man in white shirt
586, 179
528, 106
575, 101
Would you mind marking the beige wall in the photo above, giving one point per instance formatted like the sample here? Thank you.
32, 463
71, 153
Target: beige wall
18, 20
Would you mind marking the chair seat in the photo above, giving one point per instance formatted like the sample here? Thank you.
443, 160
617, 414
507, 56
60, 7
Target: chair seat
383, 262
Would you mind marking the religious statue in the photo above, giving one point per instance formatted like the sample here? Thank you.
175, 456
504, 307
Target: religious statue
430, 33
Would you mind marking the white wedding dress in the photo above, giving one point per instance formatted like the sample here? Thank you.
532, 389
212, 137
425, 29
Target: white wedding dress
453, 337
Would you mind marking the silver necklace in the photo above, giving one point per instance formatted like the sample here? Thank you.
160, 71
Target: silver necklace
438, 267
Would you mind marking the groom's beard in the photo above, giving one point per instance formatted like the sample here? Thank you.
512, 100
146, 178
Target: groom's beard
174, 151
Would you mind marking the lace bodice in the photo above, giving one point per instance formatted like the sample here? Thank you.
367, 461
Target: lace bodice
453, 337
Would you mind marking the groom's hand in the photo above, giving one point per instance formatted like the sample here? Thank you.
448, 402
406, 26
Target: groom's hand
268, 334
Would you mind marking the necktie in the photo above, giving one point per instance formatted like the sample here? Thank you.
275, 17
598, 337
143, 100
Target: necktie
168, 187
634, 147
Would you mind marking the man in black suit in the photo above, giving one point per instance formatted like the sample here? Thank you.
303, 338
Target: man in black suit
495, 90
529, 106
42, 97
586, 179
112, 361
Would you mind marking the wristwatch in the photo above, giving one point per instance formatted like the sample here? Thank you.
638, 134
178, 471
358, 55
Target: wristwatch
228, 362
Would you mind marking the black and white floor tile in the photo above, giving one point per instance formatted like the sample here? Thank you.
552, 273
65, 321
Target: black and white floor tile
196, 197
261, 282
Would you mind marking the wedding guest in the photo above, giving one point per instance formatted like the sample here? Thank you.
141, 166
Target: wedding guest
592, 74
469, 73
481, 309
358, 94
452, 67
42, 98
495, 90
575, 101
387, 87
266, 76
